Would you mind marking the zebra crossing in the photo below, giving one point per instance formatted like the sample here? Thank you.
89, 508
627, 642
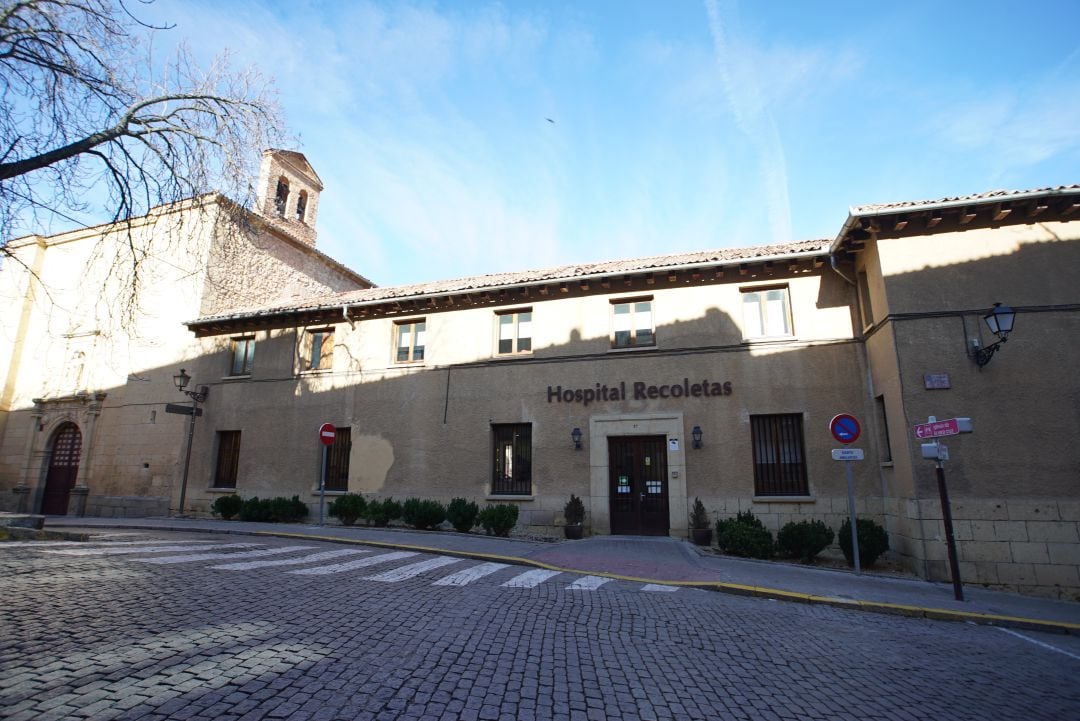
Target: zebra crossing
363, 563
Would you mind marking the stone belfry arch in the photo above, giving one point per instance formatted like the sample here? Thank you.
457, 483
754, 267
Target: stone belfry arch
288, 193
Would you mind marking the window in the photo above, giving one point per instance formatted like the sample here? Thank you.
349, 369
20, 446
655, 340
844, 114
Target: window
632, 324
410, 341
779, 457
243, 355
228, 459
884, 447
281, 196
337, 460
766, 313
865, 308
511, 469
317, 352
301, 205
515, 332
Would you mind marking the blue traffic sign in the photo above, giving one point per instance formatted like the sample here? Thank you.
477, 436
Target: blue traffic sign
845, 428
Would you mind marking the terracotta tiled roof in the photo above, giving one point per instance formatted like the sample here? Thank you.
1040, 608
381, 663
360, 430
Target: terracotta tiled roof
977, 197
545, 275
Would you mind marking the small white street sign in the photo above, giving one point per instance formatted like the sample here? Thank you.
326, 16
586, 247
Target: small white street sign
847, 454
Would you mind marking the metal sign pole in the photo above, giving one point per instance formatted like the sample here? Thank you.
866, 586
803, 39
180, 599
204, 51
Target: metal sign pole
322, 484
946, 515
854, 520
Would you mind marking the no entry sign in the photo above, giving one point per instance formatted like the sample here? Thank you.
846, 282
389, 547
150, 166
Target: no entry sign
327, 433
845, 428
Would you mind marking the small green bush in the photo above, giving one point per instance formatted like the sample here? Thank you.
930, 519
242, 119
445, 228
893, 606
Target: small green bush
273, 510
873, 541
699, 517
380, 513
423, 515
744, 536
462, 514
574, 511
348, 508
497, 520
803, 540
227, 506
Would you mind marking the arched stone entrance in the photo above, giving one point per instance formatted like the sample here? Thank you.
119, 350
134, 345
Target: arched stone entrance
64, 454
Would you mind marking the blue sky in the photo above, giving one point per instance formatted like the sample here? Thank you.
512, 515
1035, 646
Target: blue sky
677, 125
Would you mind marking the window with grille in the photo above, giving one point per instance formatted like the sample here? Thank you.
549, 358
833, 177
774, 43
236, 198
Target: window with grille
317, 350
779, 455
515, 332
243, 356
337, 460
511, 471
632, 324
228, 459
409, 341
766, 313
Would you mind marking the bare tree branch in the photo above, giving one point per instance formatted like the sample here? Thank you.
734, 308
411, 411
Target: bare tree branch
94, 125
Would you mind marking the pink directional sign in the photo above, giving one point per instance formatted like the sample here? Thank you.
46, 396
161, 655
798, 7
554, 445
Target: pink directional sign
937, 429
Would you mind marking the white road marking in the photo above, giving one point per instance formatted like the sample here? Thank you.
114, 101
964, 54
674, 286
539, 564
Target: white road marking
657, 588
350, 565
28, 544
468, 575
1038, 643
530, 579
313, 558
412, 570
587, 583
218, 556
146, 549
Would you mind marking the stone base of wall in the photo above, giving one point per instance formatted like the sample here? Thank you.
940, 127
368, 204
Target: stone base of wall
1030, 546
126, 506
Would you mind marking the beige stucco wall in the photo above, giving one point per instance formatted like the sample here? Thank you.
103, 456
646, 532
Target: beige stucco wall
1020, 469
132, 450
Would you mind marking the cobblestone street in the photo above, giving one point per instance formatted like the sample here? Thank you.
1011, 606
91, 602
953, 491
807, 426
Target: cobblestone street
213, 627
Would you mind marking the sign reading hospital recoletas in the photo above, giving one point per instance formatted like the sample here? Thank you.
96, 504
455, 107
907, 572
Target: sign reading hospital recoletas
639, 391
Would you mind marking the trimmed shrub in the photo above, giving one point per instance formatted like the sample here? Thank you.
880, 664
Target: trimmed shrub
574, 511
873, 541
497, 520
699, 518
803, 540
348, 508
380, 513
744, 536
462, 514
227, 506
422, 515
273, 510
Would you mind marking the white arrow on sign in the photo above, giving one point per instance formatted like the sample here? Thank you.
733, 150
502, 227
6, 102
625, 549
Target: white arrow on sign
847, 454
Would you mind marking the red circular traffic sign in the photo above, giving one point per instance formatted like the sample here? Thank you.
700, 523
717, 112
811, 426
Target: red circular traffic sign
327, 433
845, 428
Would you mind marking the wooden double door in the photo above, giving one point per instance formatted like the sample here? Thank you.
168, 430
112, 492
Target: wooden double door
637, 467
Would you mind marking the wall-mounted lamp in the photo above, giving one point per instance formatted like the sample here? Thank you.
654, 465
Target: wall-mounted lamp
1000, 322
575, 435
696, 435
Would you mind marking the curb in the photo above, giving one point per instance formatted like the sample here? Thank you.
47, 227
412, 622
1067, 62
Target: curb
879, 607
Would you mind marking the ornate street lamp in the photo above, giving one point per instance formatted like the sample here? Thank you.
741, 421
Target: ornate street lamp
181, 381
696, 435
1000, 321
575, 436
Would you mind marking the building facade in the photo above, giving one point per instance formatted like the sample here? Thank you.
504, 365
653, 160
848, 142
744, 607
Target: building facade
643, 384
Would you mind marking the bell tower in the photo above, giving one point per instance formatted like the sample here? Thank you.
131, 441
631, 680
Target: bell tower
288, 193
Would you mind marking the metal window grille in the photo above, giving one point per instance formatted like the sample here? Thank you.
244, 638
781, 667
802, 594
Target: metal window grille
228, 459
779, 455
337, 461
512, 462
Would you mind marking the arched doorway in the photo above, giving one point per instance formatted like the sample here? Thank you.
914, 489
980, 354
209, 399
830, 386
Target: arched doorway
63, 469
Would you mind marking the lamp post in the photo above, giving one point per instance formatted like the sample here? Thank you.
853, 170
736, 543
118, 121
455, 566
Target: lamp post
1000, 321
181, 380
